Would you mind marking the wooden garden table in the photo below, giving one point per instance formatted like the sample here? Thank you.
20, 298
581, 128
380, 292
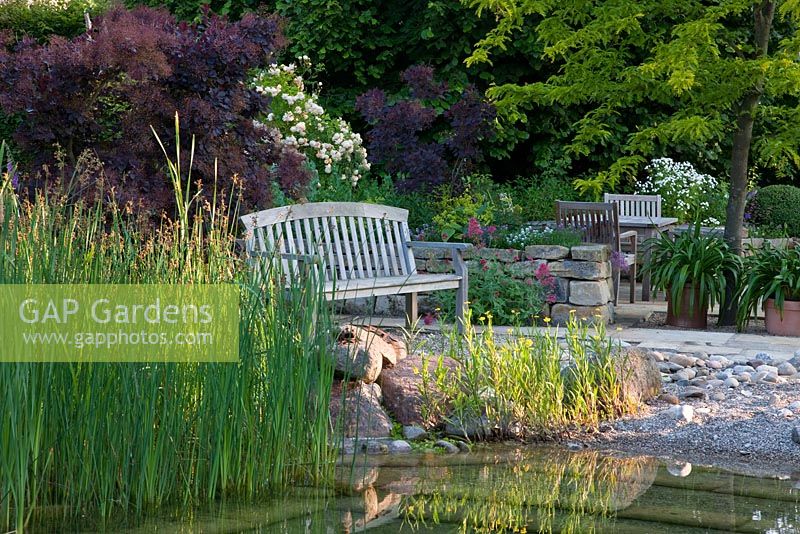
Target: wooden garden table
646, 227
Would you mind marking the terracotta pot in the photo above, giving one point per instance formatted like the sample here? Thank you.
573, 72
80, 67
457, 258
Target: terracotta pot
699, 316
789, 325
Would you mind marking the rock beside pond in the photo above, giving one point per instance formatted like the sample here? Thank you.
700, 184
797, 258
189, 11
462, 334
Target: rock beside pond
363, 351
414, 432
401, 389
682, 360
731, 382
354, 360
767, 369
690, 392
472, 428
682, 412
639, 375
448, 447
358, 408
399, 446
669, 398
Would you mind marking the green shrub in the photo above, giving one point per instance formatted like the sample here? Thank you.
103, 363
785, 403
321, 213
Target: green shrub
536, 197
776, 207
42, 19
506, 300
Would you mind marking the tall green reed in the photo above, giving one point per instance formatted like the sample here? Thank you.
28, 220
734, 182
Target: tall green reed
92, 440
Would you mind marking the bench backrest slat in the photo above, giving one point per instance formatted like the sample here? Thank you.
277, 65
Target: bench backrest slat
353, 240
636, 205
598, 222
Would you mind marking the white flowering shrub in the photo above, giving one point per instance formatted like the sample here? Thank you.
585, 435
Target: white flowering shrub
333, 150
685, 193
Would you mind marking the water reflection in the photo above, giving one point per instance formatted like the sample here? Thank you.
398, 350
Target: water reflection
513, 489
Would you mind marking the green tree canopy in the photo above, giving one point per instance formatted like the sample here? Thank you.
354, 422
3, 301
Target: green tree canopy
702, 69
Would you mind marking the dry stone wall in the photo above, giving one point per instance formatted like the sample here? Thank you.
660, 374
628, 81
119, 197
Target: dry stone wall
582, 274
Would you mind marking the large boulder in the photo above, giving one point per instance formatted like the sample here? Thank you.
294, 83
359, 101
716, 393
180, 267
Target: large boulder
640, 378
357, 407
363, 351
402, 390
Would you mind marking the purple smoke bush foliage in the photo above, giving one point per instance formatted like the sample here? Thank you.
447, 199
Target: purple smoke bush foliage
102, 91
431, 136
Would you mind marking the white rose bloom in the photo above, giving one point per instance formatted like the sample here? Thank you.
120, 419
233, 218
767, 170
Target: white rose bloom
288, 117
328, 169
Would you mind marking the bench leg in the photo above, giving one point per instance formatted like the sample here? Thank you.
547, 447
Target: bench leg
461, 303
632, 276
412, 311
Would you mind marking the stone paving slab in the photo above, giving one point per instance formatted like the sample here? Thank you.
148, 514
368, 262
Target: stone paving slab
738, 347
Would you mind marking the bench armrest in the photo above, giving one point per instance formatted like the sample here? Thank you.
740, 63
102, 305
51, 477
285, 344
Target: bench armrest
438, 244
628, 234
457, 249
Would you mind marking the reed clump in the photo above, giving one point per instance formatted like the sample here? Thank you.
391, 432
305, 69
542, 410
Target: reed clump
99, 440
525, 386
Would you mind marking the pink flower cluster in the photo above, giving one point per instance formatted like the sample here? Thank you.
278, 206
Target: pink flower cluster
477, 233
548, 281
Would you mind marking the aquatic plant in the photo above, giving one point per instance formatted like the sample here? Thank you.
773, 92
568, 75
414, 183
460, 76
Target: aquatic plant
526, 386
99, 440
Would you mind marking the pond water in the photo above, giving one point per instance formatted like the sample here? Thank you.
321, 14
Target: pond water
514, 489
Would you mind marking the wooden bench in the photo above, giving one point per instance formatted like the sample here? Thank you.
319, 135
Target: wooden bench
364, 250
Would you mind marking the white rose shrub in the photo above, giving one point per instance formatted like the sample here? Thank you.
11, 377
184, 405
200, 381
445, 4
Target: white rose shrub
333, 151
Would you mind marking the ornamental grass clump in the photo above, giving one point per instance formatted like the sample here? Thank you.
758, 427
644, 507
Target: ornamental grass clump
91, 443
526, 386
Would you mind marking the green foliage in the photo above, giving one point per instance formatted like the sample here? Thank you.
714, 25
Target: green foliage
381, 190
42, 18
454, 212
778, 207
529, 235
192, 10
702, 261
650, 78
769, 273
494, 293
519, 387
535, 197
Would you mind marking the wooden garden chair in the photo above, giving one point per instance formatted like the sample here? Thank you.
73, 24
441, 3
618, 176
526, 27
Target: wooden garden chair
598, 223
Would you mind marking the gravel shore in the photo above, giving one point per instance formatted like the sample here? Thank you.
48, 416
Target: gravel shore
713, 412
748, 429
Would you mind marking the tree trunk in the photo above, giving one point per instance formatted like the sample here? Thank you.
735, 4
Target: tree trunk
742, 138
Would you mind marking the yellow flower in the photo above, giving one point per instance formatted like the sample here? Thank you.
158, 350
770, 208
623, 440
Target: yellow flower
547, 319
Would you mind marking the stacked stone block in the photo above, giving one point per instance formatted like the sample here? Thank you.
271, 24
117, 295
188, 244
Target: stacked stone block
582, 273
